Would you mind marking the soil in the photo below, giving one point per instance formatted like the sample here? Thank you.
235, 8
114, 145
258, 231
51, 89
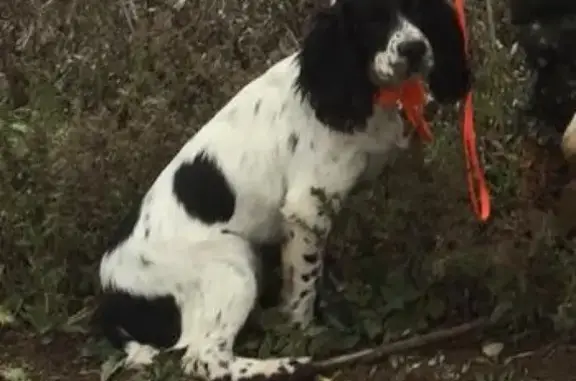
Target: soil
59, 359
56, 359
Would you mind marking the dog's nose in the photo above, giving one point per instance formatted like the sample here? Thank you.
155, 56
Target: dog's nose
413, 51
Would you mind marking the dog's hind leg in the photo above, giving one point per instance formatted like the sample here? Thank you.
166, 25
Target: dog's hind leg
220, 302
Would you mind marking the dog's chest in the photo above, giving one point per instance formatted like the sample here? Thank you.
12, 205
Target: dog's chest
385, 136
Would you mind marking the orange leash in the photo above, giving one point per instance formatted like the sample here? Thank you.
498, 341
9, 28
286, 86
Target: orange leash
477, 188
411, 95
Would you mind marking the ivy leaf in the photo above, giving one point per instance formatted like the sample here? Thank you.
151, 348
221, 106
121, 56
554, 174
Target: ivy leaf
435, 308
110, 368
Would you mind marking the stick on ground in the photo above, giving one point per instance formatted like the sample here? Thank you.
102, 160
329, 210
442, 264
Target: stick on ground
371, 354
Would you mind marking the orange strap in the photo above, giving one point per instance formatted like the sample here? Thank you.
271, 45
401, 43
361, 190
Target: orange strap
411, 96
477, 188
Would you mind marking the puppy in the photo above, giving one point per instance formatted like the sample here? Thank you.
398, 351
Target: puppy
273, 164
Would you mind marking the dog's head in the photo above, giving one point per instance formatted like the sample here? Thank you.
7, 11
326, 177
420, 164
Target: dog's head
356, 47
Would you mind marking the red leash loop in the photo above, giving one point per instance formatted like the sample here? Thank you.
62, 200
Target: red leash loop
477, 188
411, 96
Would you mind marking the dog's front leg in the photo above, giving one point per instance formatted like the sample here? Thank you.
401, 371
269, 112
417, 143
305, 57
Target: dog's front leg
308, 214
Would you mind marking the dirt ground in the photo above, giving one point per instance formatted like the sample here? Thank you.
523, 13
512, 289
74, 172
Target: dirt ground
58, 359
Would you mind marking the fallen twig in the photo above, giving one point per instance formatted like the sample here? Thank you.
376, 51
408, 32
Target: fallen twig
371, 354
491, 22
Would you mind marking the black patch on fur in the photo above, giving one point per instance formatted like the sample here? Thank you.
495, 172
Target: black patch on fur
145, 262
304, 293
146, 232
203, 190
335, 60
311, 275
315, 273
301, 373
126, 227
292, 142
257, 106
450, 78
553, 98
294, 363
311, 258
123, 317
551, 55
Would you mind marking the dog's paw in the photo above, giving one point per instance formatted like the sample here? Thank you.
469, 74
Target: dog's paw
299, 315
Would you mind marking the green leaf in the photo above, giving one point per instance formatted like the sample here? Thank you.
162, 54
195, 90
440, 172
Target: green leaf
110, 368
373, 328
435, 308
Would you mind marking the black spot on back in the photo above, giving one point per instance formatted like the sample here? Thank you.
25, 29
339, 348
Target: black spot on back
302, 372
126, 227
257, 106
292, 142
123, 317
145, 262
203, 190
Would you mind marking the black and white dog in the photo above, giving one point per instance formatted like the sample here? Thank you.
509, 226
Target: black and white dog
183, 272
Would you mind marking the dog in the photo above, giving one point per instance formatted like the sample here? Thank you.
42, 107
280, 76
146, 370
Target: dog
273, 165
546, 31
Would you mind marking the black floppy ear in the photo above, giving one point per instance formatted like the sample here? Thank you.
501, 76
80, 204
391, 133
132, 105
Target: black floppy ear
333, 72
450, 78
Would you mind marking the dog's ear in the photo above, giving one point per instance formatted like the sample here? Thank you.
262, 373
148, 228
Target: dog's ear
450, 78
334, 74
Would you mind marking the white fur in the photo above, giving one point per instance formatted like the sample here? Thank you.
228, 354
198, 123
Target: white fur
569, 139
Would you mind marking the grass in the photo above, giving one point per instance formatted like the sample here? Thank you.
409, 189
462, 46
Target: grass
96, 98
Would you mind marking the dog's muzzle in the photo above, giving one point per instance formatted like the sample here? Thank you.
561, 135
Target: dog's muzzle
414, 54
